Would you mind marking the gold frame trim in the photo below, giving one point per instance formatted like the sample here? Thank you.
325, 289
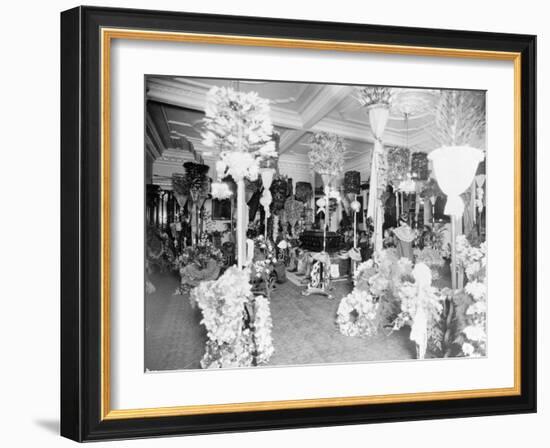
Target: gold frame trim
107, 35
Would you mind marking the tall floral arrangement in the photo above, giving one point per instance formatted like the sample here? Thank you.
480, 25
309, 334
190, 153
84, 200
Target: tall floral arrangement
398, 164
431, 257
473, 260
263, 264
180, 184
304, 191
434, 238
197, 180
238, 125
374, 298
293, 211
279, 192
459, 117
421, 308
419, 166
368, 95
261, 328
180, 187
238, 324
197, 265
383, 274
327, 153
275, 227
199, 255
352, 182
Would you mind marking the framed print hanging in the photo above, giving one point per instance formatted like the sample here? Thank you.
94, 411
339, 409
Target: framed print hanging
261, 213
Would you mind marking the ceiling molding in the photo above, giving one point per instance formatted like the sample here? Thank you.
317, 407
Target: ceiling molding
319, 105
321, 101
289, 139
151, 129
296, 111
326, 100
193, 97
150, 147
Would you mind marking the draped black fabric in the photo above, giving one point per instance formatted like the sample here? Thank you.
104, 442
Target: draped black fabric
390, 214
253, 204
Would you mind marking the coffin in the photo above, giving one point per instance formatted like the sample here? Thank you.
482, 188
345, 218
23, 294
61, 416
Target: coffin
312, 240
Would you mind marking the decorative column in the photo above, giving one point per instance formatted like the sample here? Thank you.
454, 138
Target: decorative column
267, 178
356, 207
313, 187
378, 117
326, 181
352, 187
242, 219
454, 169
327, 158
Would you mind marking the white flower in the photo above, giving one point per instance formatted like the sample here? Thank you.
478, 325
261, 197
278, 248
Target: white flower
407, 186
472, 269
404, 265
477, 308
222, 303
282, 244
238, 122
468, 349
476, 289
475, 333
268, 150
220, 190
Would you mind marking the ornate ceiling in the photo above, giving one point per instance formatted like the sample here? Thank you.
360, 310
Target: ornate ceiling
176, 106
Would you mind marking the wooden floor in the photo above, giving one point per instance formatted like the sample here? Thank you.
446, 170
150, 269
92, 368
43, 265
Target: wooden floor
304, 331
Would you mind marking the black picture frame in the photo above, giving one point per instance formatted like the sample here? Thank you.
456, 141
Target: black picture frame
81, 211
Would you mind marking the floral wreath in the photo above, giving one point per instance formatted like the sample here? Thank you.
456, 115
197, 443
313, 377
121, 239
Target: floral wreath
356, 314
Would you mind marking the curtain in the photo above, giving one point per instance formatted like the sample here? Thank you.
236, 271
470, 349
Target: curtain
378, 117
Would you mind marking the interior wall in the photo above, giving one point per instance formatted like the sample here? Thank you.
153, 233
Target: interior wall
361, 163
296, 169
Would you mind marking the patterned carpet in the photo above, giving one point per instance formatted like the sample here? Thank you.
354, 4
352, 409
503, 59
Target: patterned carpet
304, 331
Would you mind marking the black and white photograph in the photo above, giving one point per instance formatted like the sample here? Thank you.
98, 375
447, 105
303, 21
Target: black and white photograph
292, 223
